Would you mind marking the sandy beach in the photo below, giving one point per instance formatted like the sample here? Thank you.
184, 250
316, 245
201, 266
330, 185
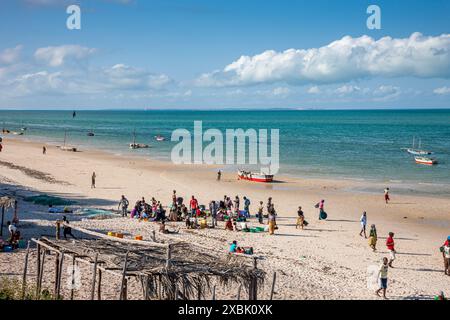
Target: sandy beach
327, 260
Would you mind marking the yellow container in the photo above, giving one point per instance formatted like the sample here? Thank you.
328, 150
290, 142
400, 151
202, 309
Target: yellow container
111, 234
203, 224
139, 238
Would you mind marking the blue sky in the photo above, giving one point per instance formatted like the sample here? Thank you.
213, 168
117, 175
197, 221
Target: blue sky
187, 54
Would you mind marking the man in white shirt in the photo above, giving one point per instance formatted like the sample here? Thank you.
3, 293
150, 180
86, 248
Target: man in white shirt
12, 231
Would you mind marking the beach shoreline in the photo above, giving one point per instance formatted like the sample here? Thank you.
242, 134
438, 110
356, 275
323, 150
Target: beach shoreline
327, 260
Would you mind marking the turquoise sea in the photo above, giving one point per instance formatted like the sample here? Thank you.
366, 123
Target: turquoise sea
334, 144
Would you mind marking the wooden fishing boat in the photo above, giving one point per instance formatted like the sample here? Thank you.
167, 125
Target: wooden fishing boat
135, 145
256, 177
426, 161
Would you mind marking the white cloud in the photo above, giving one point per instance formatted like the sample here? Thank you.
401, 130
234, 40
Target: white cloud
118, 78
57, 56
124, 77
314, 90
10, 55
281, 91
442, 90
347, 89
340, 61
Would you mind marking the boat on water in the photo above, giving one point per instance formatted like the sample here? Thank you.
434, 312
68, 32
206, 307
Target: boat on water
418, 151
134, 145
426, 161
65, 147
91, 133
256, 177
17, 133
139, 146
160, 138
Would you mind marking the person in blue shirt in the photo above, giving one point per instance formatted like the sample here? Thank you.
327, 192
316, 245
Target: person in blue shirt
233, 247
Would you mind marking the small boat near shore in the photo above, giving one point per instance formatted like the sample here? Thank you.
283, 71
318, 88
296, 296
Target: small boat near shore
139, 146
135, 145
65, 147
256, 177
160, 138
426, 161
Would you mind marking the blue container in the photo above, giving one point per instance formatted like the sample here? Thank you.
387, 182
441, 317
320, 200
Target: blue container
7, 249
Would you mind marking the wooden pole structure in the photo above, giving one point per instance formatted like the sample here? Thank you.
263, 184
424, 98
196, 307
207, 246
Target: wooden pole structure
239, 292
94, 277
41, 275
3, 217
253, 289
25, 269
38, 265
58, 229
72, 287
99, 286
214, 293
169, 255
58, 288
57, 271
273, 285
124, 279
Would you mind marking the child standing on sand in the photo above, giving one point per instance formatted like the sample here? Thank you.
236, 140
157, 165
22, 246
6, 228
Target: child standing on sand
386, 195
363, 221
383, 276
260, 213
390, 246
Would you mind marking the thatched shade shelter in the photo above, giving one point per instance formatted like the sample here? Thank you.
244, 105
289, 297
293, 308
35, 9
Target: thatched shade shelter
166, 271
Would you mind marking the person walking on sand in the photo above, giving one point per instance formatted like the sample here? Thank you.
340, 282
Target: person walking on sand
44, 150
247, 207
124, 203
383, 276
1, 147
94, 176
174, 198
260, 212
300, 219
386, 195
373, 238
67, 231
272, 220
446, 255
390, 245
363, 221
219, 175
321, 207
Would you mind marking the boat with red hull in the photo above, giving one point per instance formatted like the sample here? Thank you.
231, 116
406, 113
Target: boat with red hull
425, 161
256, 177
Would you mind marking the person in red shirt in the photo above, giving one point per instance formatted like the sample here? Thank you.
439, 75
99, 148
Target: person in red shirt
193, 204
390, 245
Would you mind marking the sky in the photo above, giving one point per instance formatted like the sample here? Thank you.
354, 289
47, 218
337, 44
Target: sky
216, 54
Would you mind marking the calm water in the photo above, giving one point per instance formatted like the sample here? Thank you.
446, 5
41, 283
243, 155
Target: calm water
344, 144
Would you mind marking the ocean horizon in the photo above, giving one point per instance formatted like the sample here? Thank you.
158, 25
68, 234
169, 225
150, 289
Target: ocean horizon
345, 144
